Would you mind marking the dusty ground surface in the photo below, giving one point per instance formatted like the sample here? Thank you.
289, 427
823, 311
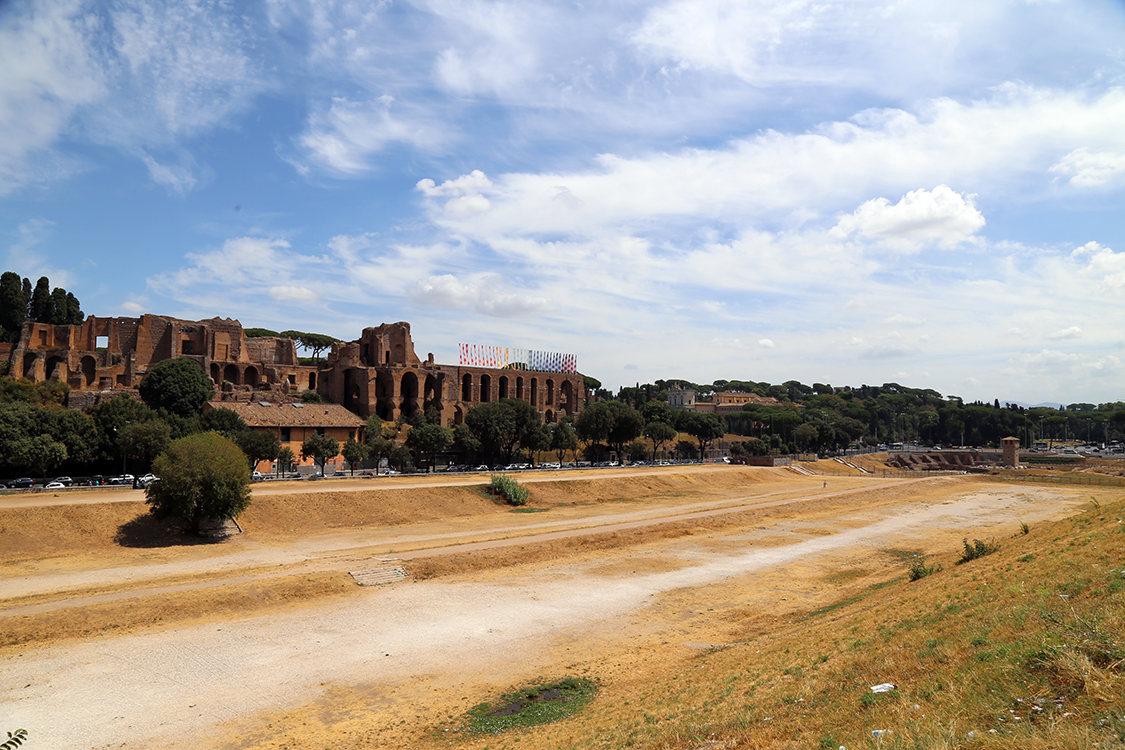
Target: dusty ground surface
115, 633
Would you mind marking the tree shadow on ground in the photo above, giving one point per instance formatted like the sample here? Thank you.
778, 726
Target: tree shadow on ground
147, 532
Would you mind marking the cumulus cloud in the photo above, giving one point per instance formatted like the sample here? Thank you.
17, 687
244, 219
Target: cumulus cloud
940, 216
444, 291
766, 343
1086, 169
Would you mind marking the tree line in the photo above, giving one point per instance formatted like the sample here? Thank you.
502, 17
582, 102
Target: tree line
21, 302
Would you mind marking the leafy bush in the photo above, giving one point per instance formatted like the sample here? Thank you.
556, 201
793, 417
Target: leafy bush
507, 488
919, 569
976, 550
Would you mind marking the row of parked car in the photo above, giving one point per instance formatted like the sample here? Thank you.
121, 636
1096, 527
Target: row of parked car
59, 483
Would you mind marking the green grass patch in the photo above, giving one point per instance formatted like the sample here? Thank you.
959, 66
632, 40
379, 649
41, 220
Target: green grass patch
529, 510
531, 706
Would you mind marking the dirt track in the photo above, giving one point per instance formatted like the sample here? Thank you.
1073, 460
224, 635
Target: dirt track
371, 657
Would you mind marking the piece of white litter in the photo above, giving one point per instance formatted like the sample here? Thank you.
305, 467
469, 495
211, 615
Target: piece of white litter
877, 733
885, 687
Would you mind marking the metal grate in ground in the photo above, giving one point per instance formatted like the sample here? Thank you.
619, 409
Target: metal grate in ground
389, 570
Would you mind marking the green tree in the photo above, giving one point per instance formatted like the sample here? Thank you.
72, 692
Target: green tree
202, 476
144, 441
314, 342
805, 435
44, 453
563, 437
285, 459
657, 411
224, 421
74, 314
355, 452
705, 428
40, 307
258, 445
60, 308
659, 433
536, 439
500, 425
320, 448
13, 306
178, 385
427, 441
381, 448
611, 422
400, 456
253, 333
466, 443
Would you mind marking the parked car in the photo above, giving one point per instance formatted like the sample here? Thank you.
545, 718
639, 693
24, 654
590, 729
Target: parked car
22, 483
55, 486
64, 481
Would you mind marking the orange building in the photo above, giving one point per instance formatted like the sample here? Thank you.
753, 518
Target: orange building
292, 423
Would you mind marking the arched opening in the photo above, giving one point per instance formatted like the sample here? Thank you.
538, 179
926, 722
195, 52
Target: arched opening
408, 388
485, 388
52, 364
550, 392
216, 373
467, 387
549, 417
312, 381
89, 370
400, 355
230, 375
250, 376
385, 395
431, 393
29, 366
566, 397
535, 393
519, 387
458, 415
502, 387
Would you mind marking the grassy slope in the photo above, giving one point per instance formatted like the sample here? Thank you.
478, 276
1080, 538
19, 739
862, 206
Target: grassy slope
1022, 649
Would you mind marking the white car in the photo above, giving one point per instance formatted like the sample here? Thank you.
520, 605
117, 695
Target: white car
55, 486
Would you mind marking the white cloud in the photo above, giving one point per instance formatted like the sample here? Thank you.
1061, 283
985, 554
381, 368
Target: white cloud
292, 294
444, 291
50, 72
1073, 332
766, 344
345, 136
1087, 169
134, 308
941, 216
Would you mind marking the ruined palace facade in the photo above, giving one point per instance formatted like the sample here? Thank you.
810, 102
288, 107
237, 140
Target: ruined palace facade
380, 374
377, 374
105, 354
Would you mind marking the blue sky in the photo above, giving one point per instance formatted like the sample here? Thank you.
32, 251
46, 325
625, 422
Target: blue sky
844, 192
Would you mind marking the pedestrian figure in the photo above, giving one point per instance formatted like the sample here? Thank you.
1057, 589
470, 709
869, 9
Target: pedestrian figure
825, 484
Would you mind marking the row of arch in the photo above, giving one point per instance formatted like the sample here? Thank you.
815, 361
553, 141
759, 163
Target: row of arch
249, 375
562, 400
411, 394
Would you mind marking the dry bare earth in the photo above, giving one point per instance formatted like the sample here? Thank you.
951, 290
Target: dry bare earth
276, 648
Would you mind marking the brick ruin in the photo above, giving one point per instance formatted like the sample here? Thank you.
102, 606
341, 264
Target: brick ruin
380, 374
103, 355
377, 374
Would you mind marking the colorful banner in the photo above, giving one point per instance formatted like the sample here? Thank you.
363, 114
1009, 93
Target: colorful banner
502, 357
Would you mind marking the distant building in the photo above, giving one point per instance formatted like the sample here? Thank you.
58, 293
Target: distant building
294, 422
380, 374
681, 399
